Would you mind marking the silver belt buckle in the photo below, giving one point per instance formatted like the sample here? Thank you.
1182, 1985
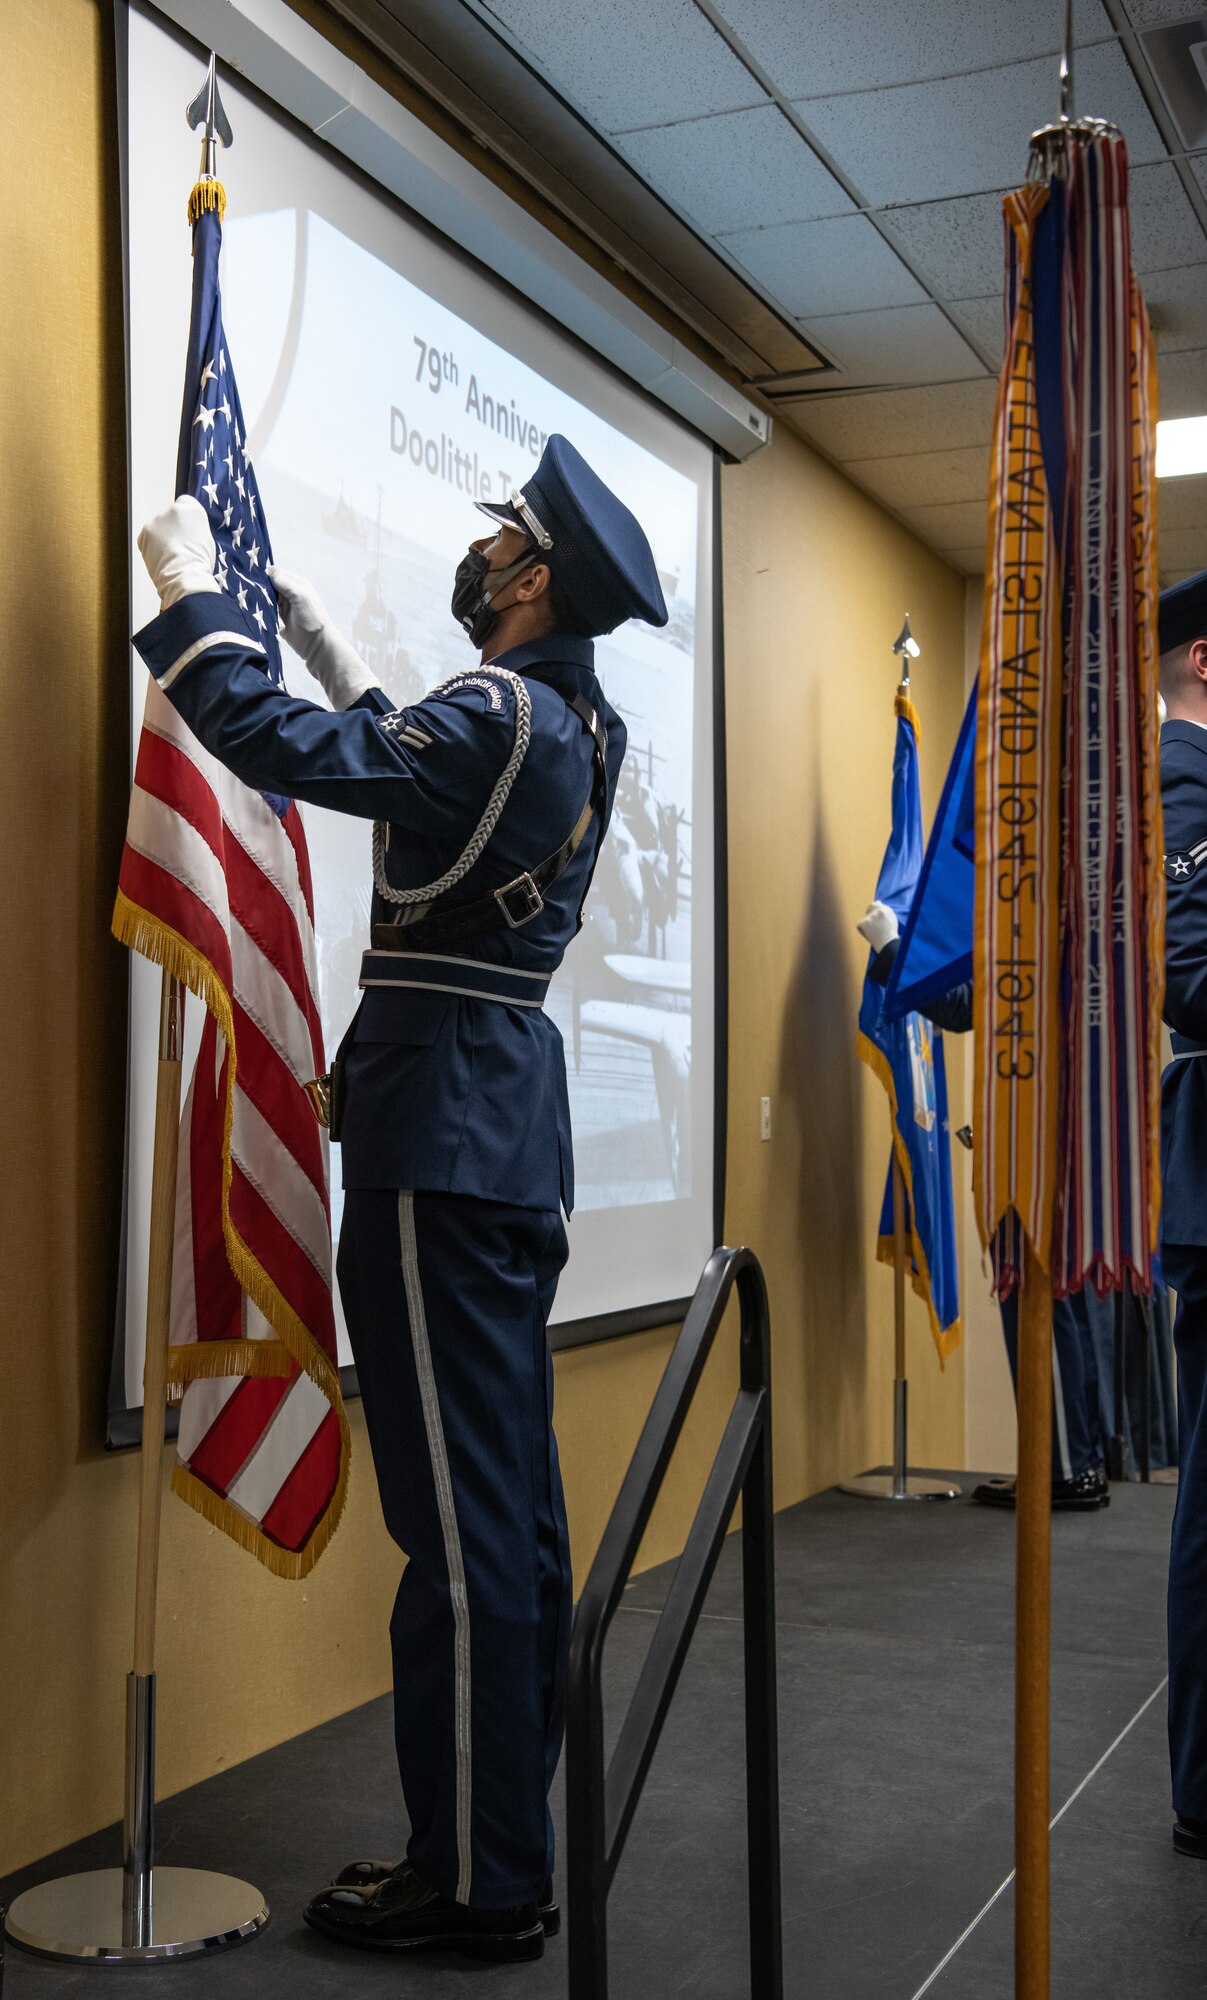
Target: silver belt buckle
531, 901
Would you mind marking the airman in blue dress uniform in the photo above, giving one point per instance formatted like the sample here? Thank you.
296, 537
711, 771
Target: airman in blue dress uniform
490, 799
1183, 648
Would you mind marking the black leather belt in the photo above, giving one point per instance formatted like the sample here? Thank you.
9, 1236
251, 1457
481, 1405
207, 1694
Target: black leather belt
1183, 1046
471, 978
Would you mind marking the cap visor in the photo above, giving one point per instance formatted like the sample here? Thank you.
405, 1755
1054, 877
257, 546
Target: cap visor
504, 513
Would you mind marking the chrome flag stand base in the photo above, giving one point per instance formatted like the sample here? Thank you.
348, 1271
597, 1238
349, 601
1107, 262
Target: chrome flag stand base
81, 1916
900, 1483
137, 1913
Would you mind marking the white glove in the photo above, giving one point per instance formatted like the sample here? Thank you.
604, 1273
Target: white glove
335, 664
178, 549
878, 925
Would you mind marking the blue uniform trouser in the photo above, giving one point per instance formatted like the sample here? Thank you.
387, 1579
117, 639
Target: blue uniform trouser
1185, 1268
446, 1300
1076, 1425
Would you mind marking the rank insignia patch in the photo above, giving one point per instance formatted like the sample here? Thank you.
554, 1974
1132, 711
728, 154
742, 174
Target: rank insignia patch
1180, 867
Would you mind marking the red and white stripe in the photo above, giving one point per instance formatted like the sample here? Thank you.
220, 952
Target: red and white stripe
263, 1453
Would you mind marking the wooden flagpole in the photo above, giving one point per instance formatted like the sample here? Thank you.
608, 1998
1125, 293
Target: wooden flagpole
1033, 1619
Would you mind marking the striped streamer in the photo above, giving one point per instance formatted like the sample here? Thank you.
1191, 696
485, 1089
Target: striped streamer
1069, 892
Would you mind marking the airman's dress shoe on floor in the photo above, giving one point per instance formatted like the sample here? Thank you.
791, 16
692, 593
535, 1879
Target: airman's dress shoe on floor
1190, 1837
366, 1875
1085, 1493
401, 1913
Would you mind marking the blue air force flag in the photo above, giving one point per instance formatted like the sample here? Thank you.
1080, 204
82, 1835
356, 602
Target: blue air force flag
936, 938
907, 1056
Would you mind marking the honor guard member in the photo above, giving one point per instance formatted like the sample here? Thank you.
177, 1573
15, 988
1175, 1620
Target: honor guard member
1183, 648
490, 798
1079, 1481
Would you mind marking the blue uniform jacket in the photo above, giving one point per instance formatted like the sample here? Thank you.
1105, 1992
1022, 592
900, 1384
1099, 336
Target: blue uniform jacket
443, 1093
1184, 1084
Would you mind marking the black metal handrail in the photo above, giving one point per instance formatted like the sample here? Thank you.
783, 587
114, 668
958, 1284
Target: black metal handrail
600, 1805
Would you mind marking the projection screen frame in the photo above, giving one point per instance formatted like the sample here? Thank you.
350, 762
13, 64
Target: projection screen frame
123, 1423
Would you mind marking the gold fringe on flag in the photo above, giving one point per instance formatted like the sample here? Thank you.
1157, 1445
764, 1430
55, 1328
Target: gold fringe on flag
153, 939
206, 195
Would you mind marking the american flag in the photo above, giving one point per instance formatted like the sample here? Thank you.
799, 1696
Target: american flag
215, 887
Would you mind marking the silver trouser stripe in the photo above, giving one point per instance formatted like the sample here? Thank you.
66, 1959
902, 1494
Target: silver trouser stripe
448, 1527
1062, 1422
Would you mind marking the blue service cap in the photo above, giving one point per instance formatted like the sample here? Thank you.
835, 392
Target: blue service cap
1182, 613
595, 548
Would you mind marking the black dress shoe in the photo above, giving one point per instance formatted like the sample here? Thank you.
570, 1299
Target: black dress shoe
1085, 1493
402, 1914
367, 1874
1190, 1838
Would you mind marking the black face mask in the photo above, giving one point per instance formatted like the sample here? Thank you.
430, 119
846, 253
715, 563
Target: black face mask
472, 598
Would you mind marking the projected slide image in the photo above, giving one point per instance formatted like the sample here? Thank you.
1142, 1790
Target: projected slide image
385, 415
389, 380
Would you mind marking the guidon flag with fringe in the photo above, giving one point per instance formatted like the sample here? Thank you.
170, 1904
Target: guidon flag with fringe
907, 1055
1069, 895
215, 887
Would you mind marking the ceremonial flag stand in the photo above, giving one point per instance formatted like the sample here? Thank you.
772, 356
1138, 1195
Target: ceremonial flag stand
1068, 964
136, 1913
139, 1913
899, 1483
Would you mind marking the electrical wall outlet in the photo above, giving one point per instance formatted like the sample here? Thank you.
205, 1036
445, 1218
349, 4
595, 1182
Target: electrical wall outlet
764, 1117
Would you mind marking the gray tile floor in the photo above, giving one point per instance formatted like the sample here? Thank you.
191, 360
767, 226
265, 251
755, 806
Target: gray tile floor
896, 1666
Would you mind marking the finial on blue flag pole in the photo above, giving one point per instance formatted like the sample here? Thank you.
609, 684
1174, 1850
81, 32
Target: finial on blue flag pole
906, 647
206, 110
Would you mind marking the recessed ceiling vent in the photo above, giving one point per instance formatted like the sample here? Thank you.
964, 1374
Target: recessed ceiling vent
1178, 55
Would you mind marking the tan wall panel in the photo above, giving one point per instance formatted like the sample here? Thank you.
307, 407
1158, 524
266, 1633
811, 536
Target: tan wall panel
816, 580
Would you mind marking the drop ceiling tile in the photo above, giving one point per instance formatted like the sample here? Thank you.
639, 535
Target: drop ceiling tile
744, 169
1177, 306
633, 62
902, 344
956, 245
891, 421
982, 318
957, 525
1155, 13
1165, 229
1198, 167
1182, 549
900, 145
814, 47
1181, 503
924, 478
1182, 383
840, 265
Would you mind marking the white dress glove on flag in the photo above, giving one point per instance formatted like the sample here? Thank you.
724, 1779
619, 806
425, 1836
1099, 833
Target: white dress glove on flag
878, 925
335, 664
178, 549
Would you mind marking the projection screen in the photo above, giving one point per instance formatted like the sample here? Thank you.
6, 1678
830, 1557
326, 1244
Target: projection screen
387, 382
